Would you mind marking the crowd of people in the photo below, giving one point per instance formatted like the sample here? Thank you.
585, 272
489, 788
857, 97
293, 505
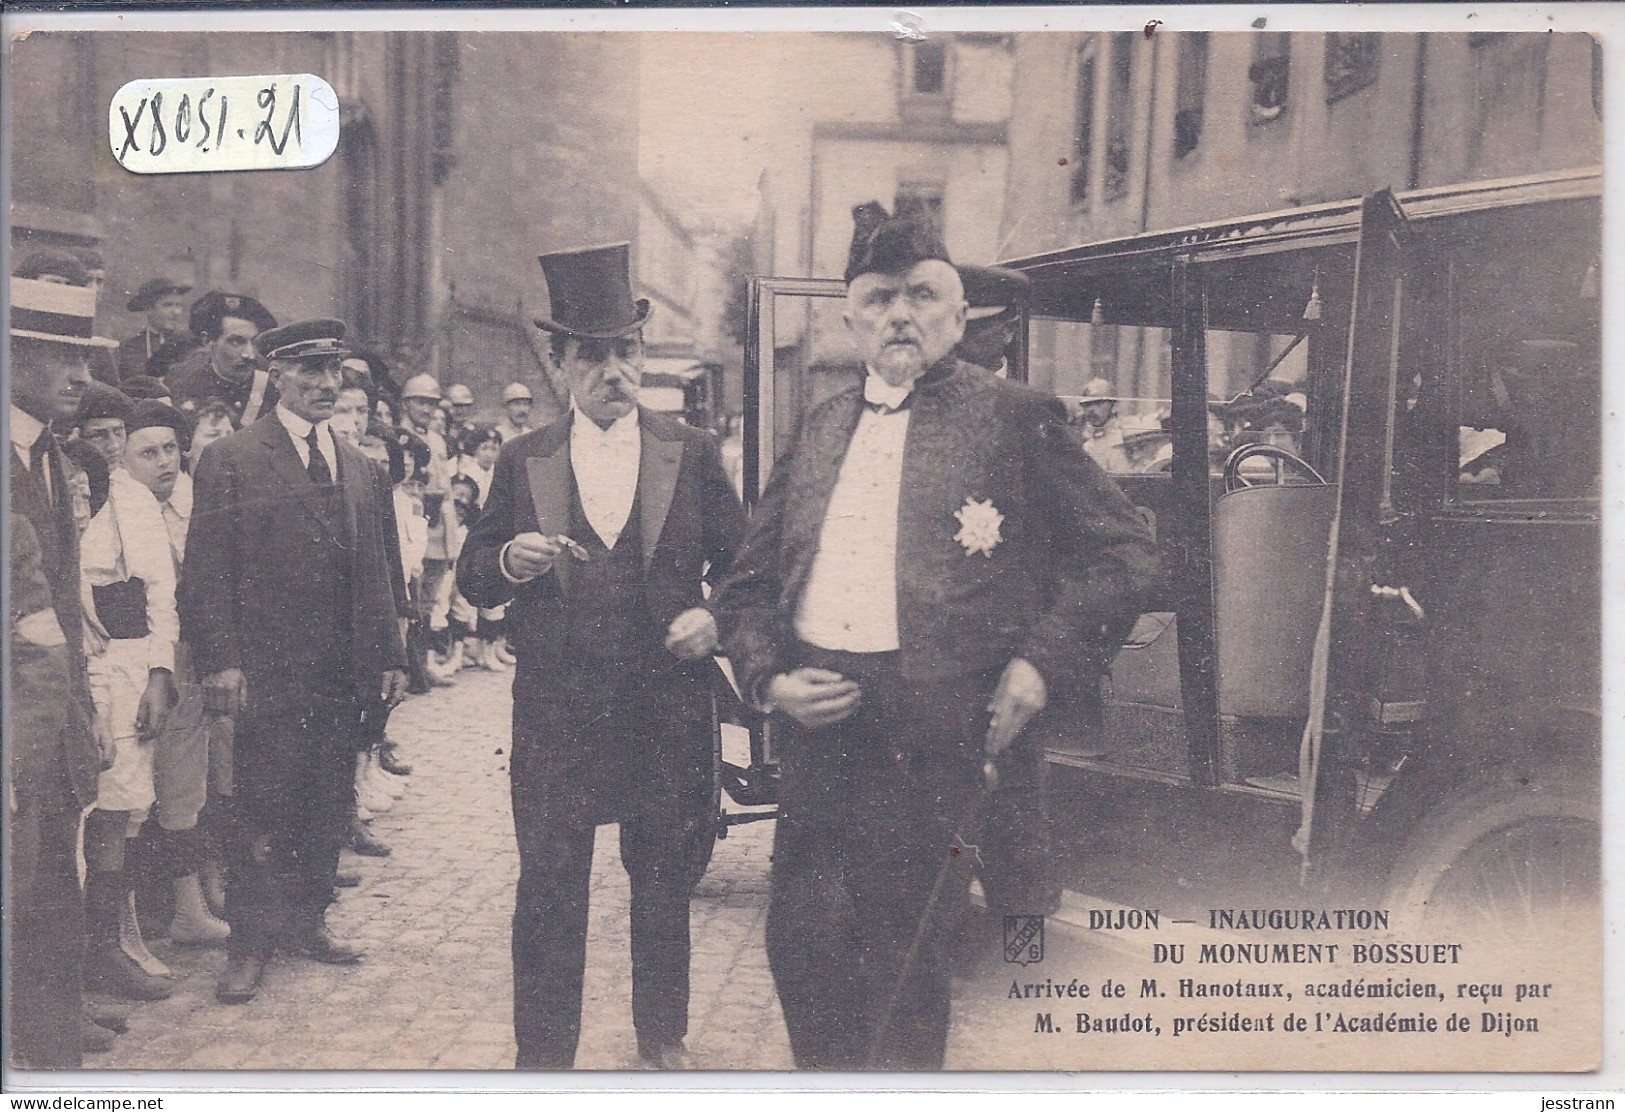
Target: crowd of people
116, 436
212, 639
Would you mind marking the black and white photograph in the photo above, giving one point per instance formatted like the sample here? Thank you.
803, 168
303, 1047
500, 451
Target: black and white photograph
936, 540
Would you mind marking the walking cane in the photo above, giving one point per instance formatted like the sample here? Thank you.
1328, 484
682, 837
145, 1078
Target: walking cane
970, 820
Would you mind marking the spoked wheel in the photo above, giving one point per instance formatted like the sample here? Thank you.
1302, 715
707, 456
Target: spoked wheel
1510, 863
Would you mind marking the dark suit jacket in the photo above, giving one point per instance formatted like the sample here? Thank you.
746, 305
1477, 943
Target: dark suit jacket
259, 531
691, 524
63, 740
1072, 560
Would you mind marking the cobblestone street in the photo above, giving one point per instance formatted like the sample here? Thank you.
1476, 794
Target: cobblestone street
435, 990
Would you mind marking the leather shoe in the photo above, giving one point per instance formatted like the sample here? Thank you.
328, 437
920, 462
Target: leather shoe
362, 841
390, 763
94, 1039
667, 1056
113, 1018
241, 980
347, 880
111, 970
318, 944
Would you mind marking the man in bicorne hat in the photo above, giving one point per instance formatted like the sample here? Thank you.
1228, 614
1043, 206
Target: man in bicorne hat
226, 366
287, 600
933, 561
163, 300
53, 743
600, 531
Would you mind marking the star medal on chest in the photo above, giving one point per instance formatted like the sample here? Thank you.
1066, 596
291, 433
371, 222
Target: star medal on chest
979, 522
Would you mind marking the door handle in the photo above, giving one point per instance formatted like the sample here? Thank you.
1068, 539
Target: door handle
1401, 594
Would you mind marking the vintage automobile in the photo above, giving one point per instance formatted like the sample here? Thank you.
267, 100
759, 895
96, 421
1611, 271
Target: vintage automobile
1369, 444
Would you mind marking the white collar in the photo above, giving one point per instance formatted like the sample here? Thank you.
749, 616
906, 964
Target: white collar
297, 426
25, 429
624, 428
877, 391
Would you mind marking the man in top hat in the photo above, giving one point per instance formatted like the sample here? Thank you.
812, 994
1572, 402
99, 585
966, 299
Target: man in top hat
516, 404
994, 299
931, 564
55, 751
163, 300
227, 365
599, 531
287, 601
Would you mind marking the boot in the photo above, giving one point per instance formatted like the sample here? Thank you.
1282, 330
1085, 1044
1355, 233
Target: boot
193, 925
107, 967
110, 1016
363, 842
212, 879
390, 761
131, 942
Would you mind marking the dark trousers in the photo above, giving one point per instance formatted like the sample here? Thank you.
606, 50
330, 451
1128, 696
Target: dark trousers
47, 936
550, 936
877, 812
293, 802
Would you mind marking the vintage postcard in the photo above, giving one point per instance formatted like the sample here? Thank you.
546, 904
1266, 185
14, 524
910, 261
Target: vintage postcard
898, 541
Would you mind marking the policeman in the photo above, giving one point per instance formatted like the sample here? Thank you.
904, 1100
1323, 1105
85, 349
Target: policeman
163, 300
994, 299
226, 366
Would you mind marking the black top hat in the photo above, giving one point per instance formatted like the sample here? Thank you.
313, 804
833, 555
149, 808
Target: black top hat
319, 338
215, 306
151, 290
891, 244
992, 290
590, 293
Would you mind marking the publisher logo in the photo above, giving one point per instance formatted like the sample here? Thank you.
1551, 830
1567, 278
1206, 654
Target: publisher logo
1024, 939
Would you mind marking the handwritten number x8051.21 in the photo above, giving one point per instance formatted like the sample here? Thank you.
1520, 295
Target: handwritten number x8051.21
179, 125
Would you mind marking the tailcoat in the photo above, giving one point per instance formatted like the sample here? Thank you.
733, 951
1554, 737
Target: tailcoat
1011, 542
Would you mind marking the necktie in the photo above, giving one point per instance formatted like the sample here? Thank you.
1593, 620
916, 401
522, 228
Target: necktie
317, 465
39, 463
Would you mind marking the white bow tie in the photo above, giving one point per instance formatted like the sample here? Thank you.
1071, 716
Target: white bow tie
884, 396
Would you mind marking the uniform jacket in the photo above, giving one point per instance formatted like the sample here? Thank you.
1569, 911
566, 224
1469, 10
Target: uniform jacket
1071, 559
193, 380
44, 740
690, 520
259, 530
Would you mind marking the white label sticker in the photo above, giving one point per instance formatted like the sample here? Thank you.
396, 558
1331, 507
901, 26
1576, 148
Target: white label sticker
184, 125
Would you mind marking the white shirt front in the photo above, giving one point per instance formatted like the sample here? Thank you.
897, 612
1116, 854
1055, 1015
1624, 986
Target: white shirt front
850, 601
299, 428
605, 462
129, 539
177, 511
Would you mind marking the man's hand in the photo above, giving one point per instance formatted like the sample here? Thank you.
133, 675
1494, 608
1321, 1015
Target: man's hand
155, 703
814, 697
225, 692
393, 689
1020, 695
531, 554
101, 727
692, 634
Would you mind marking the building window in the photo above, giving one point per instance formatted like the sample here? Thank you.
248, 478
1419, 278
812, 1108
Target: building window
1083, 127
920, 196
1191, 94
1118, 94
928, 71
1270, 74
1352, 59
